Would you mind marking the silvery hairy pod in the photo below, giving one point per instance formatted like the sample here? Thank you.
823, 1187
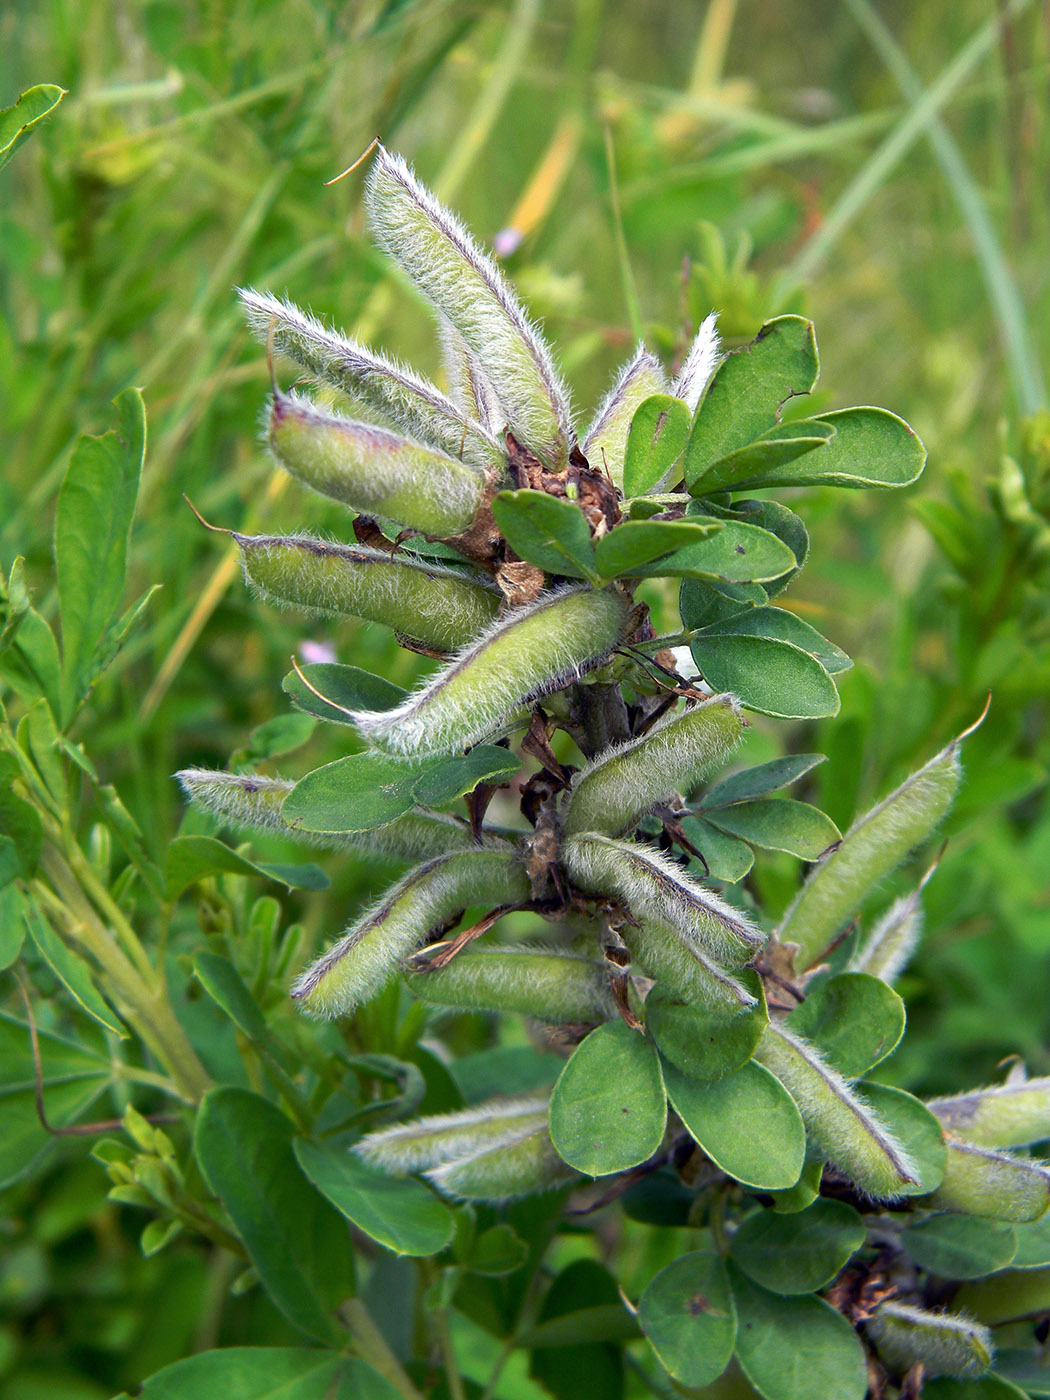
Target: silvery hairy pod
838, 1121
1013, 1114
532, 650
613, 793
992, 1185
428, 602
374, 470
550, 984
370, 953
944, 1344
254, 801
605, 441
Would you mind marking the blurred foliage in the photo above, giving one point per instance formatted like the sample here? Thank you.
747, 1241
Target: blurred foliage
190, 155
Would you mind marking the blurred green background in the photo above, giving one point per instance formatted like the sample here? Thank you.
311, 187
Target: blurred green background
882, 168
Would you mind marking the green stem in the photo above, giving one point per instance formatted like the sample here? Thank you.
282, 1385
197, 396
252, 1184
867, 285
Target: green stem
372, 1347
443, 1333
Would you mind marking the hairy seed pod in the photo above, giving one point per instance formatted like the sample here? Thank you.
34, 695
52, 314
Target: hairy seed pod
468, 383
874, 845
519, 1167
533, 650
398, 395
605, 442
373, 470
657, 890
369, 953
471, 293
613, 793
449, 1137
428, 602
547, 983
992, 1185
944, 1344
1007, 1296
1006, 1115
887, 949
700, 364
251, 800
838, 1121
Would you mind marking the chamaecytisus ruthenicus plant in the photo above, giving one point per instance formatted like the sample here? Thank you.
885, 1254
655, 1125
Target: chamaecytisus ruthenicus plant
714, 1079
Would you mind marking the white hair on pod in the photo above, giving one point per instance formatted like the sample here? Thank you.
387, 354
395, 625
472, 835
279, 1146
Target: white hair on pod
700, 364
1005, 1115
448, 1137
605, 442
523, 1164
992, 1185
887, 949
399, 394
468, 290
943, 1344
468, 383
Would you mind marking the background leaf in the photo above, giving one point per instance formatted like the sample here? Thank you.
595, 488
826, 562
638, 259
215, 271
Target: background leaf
17, 122
193, 858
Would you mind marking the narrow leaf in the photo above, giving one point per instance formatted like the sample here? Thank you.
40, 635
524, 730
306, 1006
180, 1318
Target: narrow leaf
193, 858
17, 122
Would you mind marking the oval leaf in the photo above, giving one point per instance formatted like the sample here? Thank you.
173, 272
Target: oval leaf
549, 532
706, 1042
737, 553
725, 858
637, 547
779, 825
871, 448
764, 778
608, 1109
958, 1246
747, 1123
268, 1373
342, 688
761, 461
784, 626
914, 1126
798, 1253
657, 438
855, 1020
772, 677
687, 1313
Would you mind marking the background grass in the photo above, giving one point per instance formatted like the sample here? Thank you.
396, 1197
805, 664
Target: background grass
885, 171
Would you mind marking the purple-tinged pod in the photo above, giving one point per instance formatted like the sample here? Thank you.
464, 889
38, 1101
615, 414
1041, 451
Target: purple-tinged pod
370, 953
440, 607
1007, 1115
253, 801
373, 470
518, 1167
943, 1344
440, 1138
658, 891
535, 649
550, 984
838, 1121
605, 442
992, 1185
614, 792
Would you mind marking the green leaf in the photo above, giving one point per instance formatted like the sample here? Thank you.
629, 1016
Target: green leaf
193, 858
871, 448
637, 547
71, 972
772, 677
1026, 1369
32, 664
367, 790
688, 1315
783, 626
764, 459
585, 1369
1033, 1245
17, 122
224, 984
737, 553
12, 916
796, 1348
608, 1109
400, 1213
96, 503
549, 532
780, 824
20, 823
749, 390
495, 1252
989, 1387
299, 1245
798, 1253
658, 434
958, 1246
706, 1042
702, 603
346, 687
747, 1123
727, 858
268, 1373
764, 778
855, 1020
915, 1127
280, 735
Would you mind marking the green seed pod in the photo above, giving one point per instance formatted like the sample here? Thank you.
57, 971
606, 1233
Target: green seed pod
944, 1344
613, 793
450, 1137
838, 1121
387, 388
887, 949
992, 1185
471, 293
519, 1167
656, 890
1007, 1115
531, 651
605, 441
368, 955
1007, 1296
373, 470
251, 800
547, 983
874, 845
432, 604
